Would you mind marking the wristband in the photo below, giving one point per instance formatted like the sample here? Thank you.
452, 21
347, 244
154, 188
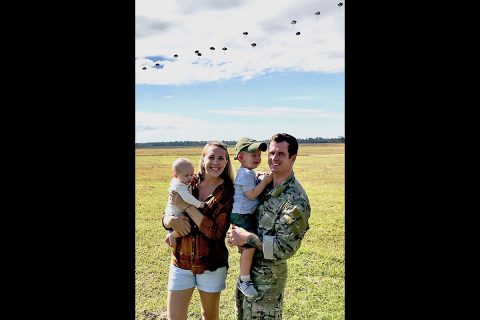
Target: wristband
163, 224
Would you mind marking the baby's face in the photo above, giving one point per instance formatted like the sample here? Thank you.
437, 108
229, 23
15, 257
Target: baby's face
185, 174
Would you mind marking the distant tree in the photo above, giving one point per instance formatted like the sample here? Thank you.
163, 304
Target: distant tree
339, 139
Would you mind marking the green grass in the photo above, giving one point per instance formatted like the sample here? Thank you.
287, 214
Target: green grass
316, 278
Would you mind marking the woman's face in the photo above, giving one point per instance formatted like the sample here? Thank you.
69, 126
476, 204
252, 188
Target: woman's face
214, 161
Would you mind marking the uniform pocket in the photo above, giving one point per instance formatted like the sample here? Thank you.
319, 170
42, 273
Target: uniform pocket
267, 222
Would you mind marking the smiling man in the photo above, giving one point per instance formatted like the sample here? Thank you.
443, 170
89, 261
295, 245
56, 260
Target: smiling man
282, 221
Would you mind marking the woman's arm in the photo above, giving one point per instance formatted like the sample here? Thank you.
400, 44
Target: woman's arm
179, 224
214, 229
196, 215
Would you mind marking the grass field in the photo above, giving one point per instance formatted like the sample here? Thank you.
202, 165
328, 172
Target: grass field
316, 278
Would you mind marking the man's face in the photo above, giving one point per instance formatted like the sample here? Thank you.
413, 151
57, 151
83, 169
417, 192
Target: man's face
278, 159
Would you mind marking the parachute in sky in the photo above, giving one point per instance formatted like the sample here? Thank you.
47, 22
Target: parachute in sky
245, 34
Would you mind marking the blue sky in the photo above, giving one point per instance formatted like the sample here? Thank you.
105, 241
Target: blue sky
287, 83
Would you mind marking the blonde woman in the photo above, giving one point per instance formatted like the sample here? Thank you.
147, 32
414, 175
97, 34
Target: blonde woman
200, 256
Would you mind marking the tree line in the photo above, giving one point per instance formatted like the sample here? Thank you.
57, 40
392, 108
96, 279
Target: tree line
340, 139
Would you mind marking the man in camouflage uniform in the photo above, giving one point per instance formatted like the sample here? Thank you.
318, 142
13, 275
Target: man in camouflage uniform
282, 220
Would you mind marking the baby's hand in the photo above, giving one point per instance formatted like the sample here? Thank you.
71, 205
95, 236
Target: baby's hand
173, 241
170, 240
167, 239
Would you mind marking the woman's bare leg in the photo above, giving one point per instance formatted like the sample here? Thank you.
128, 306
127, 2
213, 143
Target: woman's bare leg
177, 304
210, 305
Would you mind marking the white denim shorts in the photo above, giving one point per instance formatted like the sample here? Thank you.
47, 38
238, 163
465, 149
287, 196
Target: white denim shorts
208, 281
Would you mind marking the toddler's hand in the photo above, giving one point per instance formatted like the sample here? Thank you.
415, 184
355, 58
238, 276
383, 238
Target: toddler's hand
268, 177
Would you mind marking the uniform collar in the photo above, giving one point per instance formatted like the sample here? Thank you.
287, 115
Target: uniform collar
281, 187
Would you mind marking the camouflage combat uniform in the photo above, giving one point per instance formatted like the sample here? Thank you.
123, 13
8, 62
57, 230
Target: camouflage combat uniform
282, 221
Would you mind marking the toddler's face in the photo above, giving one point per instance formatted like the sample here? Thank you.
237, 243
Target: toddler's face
251, 160
185, 174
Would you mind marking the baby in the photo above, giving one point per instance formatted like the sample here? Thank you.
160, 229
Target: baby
182, 176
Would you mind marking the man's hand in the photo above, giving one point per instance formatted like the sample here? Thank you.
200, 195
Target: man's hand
237, 236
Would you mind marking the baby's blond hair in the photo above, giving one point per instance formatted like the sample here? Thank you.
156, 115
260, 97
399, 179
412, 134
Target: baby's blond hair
181, 163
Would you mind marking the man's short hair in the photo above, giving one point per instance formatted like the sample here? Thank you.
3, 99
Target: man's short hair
291, 140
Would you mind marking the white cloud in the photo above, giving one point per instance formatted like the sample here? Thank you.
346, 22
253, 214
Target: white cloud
283, 112
169, 27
